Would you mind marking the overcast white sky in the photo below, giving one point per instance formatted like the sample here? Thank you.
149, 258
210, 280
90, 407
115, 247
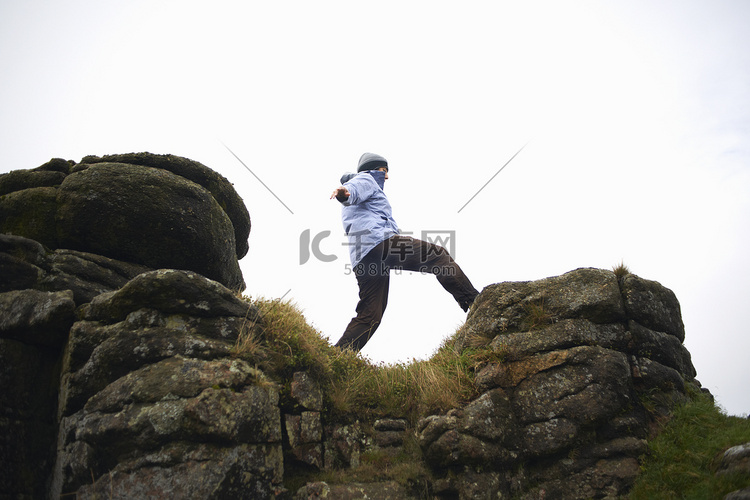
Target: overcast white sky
636, 115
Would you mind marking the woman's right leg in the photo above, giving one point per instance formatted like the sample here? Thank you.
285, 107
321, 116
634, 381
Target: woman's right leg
373, 284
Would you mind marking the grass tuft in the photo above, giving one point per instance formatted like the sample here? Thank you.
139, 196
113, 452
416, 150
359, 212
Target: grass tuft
620, 270
538, 315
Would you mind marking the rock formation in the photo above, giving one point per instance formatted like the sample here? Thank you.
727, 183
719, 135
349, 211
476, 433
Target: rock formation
587, 362
121, 377
153, 210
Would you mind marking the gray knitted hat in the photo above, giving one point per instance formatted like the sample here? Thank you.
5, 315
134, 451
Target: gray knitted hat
371, 161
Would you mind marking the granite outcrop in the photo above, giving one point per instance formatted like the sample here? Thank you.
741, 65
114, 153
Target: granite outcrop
121, 374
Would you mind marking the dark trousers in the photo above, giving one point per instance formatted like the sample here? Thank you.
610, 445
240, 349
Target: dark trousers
373, 278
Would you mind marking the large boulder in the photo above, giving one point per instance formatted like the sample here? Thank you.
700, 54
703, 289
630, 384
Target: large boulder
155, 403
160, 211
148, 216
576, 366
219, 187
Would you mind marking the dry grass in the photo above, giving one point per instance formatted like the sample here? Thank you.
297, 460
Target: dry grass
283, 342
405, 390
249, 343
538, 315
620, 270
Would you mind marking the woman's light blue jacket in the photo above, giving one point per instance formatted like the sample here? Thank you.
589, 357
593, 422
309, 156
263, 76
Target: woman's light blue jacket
366, 215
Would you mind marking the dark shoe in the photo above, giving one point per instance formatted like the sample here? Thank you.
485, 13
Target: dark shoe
465, 305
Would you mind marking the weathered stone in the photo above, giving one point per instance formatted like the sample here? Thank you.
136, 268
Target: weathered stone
653, 375
627, 446
304, 429
309, 454
484, 485
735, 459
432, 427
161, 211
172, 292
663, 348
34, 317
17, 274
306, 391
87, 275
606, 478
446, 440
218, 415
631, 424
56, 165
343, 445
221, 189
591, 294
31, 213
490, 417
454, 449
489, 375
653, 306
25, 263
23, 249
549, 437
179, 224
292, 426
19, 180
311, 430
388, 439
584, 384
175, 400
195, 471
172, 378
564, 334
121, 348
743, 494
390, 424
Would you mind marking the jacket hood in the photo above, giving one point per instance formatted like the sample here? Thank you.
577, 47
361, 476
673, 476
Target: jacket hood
347, 177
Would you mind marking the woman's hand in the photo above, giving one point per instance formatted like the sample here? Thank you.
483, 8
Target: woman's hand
340, 193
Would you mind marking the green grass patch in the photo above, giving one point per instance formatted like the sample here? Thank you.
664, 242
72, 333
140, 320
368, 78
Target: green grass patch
685, 455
